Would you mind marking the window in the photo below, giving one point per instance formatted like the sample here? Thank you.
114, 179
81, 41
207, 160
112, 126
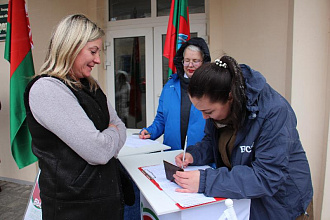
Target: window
131, 9
195, 6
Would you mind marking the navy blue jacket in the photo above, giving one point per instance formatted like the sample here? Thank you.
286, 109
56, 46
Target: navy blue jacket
269, 165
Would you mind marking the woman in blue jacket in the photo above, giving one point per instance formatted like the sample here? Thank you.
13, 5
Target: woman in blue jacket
251, 136
176, 117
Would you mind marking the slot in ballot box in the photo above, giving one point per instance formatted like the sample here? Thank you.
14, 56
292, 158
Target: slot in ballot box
156, 204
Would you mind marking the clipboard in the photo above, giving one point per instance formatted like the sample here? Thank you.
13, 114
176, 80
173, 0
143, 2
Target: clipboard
157, 175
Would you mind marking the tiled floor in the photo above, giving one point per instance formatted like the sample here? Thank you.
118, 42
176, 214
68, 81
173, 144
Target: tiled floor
13, 200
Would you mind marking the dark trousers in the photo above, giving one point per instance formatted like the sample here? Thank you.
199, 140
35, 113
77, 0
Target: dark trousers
133, 212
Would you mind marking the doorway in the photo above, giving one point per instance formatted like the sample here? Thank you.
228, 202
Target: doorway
137, 71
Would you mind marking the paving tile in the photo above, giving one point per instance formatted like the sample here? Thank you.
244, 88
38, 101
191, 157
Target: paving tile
3, 209
13, 200
5, 199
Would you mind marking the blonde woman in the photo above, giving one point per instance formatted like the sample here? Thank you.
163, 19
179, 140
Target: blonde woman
76, 133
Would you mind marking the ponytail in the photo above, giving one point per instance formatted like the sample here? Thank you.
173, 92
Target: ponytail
237, 90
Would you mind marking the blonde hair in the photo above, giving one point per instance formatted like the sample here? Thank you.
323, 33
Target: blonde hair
68, 39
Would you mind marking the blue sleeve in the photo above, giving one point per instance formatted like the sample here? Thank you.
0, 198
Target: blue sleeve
267, 171
158, 125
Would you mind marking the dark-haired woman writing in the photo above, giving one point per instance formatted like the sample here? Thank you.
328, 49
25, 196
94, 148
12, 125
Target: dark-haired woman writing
251, 135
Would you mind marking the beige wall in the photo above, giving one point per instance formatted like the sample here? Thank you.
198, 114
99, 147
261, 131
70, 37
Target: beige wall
309, 86
326, 194
43, 19
325, 212
253, 32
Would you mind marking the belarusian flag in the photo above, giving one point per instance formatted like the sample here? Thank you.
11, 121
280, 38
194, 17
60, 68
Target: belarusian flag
18, 53
178, 31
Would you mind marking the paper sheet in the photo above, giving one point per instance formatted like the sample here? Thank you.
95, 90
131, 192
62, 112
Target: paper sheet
134, 141
183, 199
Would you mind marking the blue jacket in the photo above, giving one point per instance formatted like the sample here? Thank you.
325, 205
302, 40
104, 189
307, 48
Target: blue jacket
269, 165
167, 120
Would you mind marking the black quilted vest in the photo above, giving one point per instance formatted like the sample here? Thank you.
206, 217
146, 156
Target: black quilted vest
70, 188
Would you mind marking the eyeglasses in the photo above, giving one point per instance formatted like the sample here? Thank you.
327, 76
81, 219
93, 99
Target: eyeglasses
195, 63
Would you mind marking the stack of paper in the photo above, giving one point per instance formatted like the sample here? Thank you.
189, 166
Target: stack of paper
135, 142
157, 173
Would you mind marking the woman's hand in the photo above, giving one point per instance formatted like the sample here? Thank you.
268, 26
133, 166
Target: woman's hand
188, 180
144, 134
187, 160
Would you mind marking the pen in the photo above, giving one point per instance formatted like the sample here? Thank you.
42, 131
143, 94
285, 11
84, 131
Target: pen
140, 133
184, 152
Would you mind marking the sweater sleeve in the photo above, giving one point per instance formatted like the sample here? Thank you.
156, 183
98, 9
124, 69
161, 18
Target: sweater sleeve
114, 119
56, 108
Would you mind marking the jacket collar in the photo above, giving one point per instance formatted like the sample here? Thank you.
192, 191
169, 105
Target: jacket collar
255, 82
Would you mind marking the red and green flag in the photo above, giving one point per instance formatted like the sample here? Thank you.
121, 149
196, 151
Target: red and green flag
178, 31
18, 52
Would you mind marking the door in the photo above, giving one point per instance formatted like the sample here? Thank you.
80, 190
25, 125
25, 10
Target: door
130, 75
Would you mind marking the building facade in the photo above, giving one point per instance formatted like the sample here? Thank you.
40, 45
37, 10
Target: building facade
287, 41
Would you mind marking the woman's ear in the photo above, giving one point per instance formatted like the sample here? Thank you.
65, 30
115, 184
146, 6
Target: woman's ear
230, 97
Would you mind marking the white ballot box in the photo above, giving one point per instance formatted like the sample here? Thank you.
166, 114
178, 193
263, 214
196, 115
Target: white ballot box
155, 202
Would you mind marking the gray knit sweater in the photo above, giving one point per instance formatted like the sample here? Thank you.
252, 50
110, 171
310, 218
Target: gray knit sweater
56, 108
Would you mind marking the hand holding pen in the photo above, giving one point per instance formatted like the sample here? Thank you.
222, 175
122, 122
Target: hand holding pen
184, 161
144, 134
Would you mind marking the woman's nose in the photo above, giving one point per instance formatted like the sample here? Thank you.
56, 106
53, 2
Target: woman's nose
97, 59
205, 116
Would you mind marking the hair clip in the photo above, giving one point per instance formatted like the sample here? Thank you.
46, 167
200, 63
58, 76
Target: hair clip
220, 63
